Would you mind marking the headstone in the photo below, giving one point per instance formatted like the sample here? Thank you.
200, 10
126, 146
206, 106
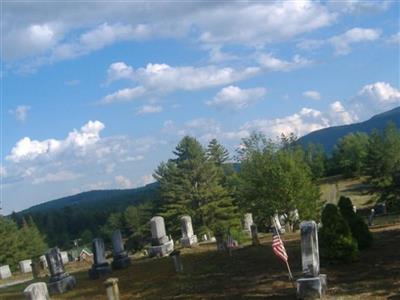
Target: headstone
247, 222
25, 266
64, 257
213, 239
176, 260
313, 284
43, 261
120, 256
371, 217
355, 209
59, 281
205, 238
100, 265
5, 272
112, 289
188, 237
36, 268
36, 291
161, 244
278, 224
254, 235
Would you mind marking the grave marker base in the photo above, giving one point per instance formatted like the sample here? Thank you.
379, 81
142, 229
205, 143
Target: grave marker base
311, 288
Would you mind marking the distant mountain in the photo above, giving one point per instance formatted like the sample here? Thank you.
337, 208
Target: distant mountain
328, 137
99, 199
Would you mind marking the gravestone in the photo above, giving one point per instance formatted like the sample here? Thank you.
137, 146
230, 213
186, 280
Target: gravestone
278, 224
247, 222
5, 272
120, 256
355, 209
36, 291
59, 281
313, 284
176, 261
64, 257
161, 244
100, 265
43, 261
371, 217
112, 289
205, 238
188, 237
254, 235
25, 266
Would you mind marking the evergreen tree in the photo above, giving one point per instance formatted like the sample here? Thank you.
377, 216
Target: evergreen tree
32, 240
336, 243
359, 229
11, 246
315, 158
191, 184
217, 153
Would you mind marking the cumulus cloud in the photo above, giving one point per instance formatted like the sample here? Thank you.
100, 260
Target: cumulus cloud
394, 39
21, 112
124, 95
375, 98
339, 115
119, 70
123, 182
235, 98
314, 95
27, 149
270, 63
342, 43
359, 6
149, 109
55, 177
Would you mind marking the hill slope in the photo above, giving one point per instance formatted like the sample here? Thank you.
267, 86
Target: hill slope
328, 137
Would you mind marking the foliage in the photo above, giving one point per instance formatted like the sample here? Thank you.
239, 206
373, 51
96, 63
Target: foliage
349, 154
359, 230
335, 240
191, 184
315, 158
275, 178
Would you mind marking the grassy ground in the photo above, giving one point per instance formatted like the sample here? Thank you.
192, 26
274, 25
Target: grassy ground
251, 273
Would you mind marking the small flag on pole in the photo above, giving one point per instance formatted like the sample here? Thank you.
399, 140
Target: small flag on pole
277, 246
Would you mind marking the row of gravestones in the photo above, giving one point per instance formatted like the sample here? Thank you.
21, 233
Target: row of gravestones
26, 266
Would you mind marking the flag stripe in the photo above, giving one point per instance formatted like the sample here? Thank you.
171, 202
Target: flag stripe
278, 247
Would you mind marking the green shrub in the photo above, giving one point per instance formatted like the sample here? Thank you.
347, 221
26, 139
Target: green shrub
239, 235
359, 230
335, 240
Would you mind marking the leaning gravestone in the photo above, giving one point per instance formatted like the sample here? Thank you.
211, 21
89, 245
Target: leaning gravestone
161, 244
120, 256
247, 222
313, 284
37, 291
188, 237
5, 272
100, 265
25, 266
59, 281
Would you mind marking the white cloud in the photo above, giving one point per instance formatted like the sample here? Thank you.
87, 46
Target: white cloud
149, 109
147, 179
20, 113
56, 177
27, 149
119, 70
375, 98
310, 45
314, 95
300, 123
271, 63
123, 95
235, 98
3, 171
339, 115
359, 6
342, 42
123, 182
394, 39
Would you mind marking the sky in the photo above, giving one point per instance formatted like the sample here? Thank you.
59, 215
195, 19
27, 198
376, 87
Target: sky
95, 94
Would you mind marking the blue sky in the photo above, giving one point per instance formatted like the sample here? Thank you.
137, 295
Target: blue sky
96, 94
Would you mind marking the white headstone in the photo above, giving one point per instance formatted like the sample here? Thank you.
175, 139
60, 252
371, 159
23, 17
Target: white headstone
25, 266
158, 234
37, 291
5, 272
64, 257
247, 222
188, 237
43, 260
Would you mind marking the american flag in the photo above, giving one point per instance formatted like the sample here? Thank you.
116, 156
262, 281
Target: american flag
277, 246
229, 242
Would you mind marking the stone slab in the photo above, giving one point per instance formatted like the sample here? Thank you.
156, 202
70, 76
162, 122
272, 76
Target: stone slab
66, 283
121, 263
189, 241
311, 288
162, 250
5, 272
97, 271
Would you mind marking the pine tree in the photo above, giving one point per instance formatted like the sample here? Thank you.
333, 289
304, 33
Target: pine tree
11, 246
33, 241
190, 184
217, 153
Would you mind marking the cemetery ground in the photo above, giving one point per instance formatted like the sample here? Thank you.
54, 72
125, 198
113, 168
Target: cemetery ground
253, 272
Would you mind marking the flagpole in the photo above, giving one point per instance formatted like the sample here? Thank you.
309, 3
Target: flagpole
287, 263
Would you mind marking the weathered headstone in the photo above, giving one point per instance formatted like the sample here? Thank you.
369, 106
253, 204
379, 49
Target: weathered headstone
278, 224
254, 235
100, 265
205, 238
355, 209
188, 237
36, 268
112, 289
176, 261
5, 272
161, 244
120, 256
43, 261
247, 222
25, 266
36, 291
313, 284
64, 257
59, 281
